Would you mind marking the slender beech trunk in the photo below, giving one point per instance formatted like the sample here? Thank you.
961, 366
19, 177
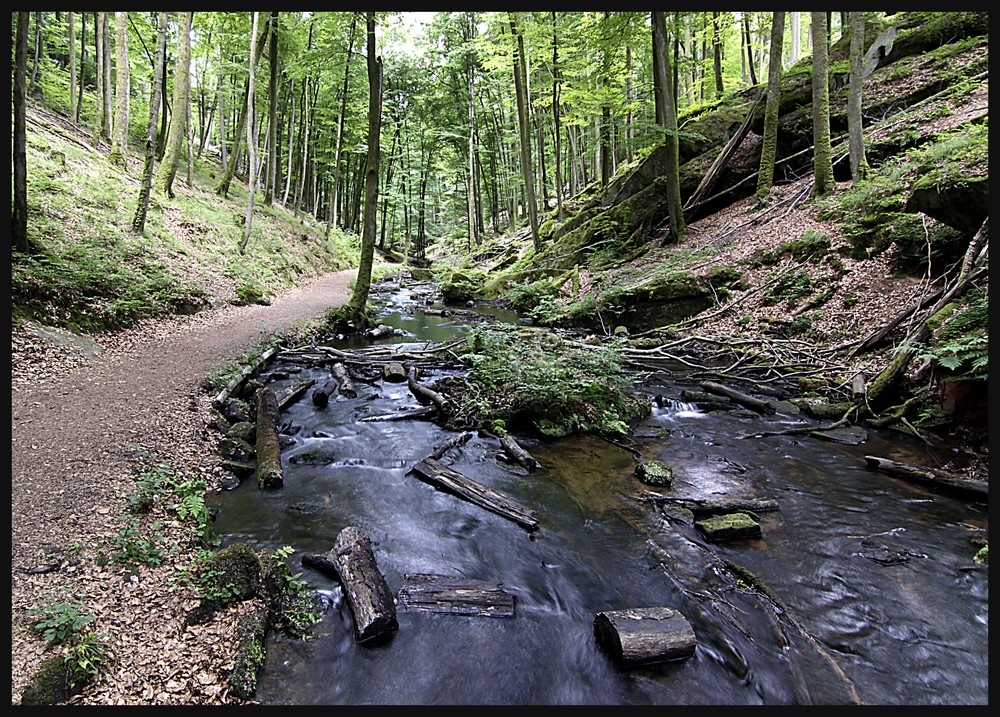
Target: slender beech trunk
717, 51
673, 190
749, 47
182, 83
769, 144
73, 105
251, 142
139, 220
555, 120
272, 128
119, 144
520, 87
19, 215
859, 164
822, 153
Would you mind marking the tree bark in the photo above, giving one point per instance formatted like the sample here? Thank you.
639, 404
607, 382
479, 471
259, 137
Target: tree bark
269, 471
672, 153
73, 114
352, 562
520, 89
822, 153
19, 215
451, 595
119, 143
142, 207
272, 126
949, 482
362, 284
739, 397
643, 636
251, 141
769, 144
517, 453
856, 139
182, 83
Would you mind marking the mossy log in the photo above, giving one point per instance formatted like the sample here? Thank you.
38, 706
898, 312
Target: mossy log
269, 471
703, 507
643, 636
934, 477
220, 400
751, 402
352, 562
251, 635
293, 393
394, 372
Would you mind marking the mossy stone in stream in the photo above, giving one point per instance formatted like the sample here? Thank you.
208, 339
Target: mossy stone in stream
250, 653
731, 526
654, 473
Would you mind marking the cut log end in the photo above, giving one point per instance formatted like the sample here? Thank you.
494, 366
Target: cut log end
644, 636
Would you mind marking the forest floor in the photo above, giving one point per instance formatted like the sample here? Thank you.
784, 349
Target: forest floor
84, 410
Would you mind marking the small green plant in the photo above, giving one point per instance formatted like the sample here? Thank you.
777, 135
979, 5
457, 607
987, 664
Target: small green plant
58, 622
298, 601
131, 548
85, 658
982, 555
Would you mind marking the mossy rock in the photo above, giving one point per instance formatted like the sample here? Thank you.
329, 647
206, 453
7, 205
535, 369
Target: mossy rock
462, 286
247, 294
654, 473
244, 431
251, 632
52, 684
237, 572
236, 448
731, 526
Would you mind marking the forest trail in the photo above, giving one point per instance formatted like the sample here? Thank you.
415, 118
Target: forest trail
74, 440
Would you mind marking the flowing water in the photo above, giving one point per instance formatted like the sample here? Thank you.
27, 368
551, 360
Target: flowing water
862, 588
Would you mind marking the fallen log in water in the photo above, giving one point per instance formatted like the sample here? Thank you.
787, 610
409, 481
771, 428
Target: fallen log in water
427, 396
721, 506
344, 380
453, 442
454, 596
517, 453
934, 477
739, 397
423, 412
394, 372
352, 562
464, 487
642, 636
321, 395
269, 471
292, 393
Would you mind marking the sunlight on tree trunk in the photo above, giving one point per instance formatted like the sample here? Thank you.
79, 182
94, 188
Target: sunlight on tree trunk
822, 154
251, 141
119, 144
769, 144
139, 220
182, 84
855, 127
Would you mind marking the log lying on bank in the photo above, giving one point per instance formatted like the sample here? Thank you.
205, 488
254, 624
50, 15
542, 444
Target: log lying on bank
739, 397
464, 487
230, 388
643, 636
517, 453
352, 562
721, 506
454, 596
269, 471
933, 477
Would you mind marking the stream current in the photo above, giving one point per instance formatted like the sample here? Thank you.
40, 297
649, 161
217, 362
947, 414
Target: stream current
863, 587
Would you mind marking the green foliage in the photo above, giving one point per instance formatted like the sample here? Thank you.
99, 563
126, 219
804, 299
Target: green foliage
130, 547
298, 613
85, 658
961, 344
982, 555
791, 287
58, 622
544, 384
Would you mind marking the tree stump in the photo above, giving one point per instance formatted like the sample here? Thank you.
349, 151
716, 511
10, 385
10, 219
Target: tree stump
352, 562
394, 372
645, 635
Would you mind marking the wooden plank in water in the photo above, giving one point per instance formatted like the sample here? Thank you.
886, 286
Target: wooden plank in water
477, 493
454, 596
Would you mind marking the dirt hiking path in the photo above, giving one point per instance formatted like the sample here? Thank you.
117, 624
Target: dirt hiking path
77, 431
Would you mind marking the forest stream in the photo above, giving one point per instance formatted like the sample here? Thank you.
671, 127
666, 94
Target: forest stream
861, 589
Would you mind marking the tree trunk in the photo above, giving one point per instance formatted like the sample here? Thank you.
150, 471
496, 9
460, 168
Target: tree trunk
269, 471
272, 126
555, 120
83, 65
19, 216
934, 477
822, 153
73, 104
182, 82
139, 220
717, 52
672, 153
251, 141
119, 143
362, 285
449, 595
855, 130
352, 562
335, 191
769, 144
520, 88
749, 47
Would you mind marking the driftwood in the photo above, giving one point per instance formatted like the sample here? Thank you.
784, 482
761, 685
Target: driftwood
352, 562
293, 393
859, 388
402, 415
738, 396
934, 477
394, 372
464, 487
454, 596
427, 396
321, 395
700, 506
380, 331
344, 380
453, 442
236, 380
643, 636
269, 471
517, 453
